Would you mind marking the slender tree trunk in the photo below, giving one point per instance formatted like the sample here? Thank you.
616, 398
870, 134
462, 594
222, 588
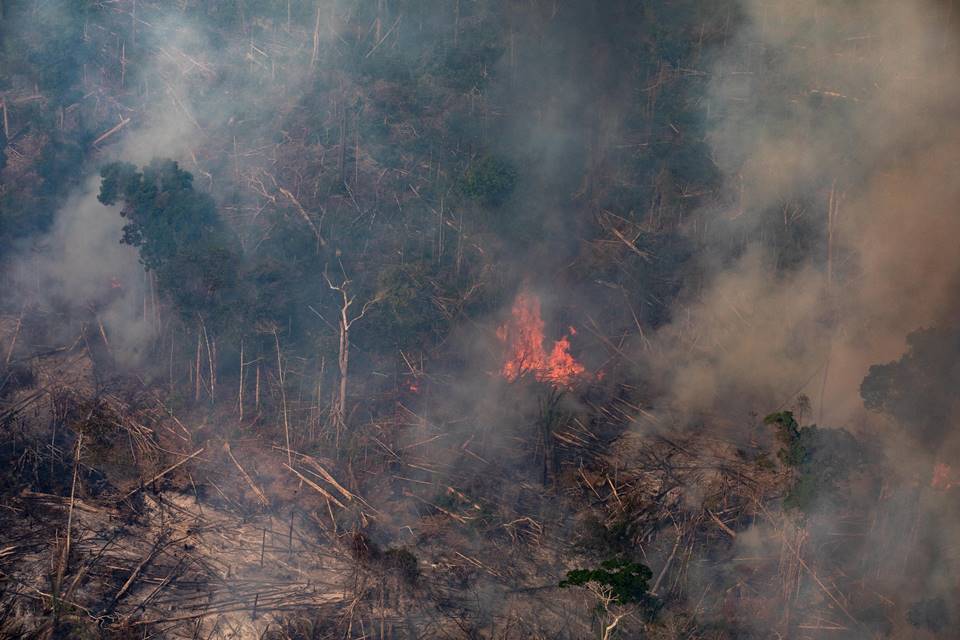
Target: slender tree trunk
456, 23
343, 356
171, 362
343, 361
196, 379
240, 393
316, 40
256, 391
283, 400
342, 151
832, 206
315, 423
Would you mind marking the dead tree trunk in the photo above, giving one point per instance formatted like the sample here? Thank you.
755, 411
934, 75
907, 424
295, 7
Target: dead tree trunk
316, 40
342, 151
283, 398
240, 392
345, 322
343, 361
196, 380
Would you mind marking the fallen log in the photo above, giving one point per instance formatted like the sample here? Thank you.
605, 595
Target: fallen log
165, 472
123, 122
261, 496
313, 485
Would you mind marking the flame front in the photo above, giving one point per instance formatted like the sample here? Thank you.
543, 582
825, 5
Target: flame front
523, 336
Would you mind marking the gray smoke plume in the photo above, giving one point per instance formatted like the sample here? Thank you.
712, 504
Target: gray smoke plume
834, 120
834, 125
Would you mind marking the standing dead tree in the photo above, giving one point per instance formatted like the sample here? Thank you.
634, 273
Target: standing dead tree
345, 322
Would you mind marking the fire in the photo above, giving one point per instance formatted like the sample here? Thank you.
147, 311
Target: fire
944, 477
523, 335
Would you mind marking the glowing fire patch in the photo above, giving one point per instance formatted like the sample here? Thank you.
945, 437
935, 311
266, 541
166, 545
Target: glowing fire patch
944, 477
523, 336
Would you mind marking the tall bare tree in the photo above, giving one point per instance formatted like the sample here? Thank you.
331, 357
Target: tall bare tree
345, 322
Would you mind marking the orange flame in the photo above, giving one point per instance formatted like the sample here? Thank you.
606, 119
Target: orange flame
523, 335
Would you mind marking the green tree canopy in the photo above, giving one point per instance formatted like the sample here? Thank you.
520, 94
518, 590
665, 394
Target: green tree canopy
627, 581
178, 232
921, 388
491, 181
822, 460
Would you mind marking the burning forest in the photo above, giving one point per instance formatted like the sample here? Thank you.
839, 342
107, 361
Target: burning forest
523, 337
479, 319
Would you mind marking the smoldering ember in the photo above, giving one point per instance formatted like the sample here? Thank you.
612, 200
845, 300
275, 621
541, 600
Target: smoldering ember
479, 319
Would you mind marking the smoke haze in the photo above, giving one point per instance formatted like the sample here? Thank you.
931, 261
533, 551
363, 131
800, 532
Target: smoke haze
832, 117
808, 226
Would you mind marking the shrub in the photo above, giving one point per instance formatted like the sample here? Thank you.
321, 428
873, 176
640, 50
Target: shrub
616, 581
821, 459
491, 181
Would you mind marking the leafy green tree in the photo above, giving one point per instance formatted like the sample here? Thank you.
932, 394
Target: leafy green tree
178, 232
491, 181
626, 581
407, 315
821, 459
920, 389
616, 583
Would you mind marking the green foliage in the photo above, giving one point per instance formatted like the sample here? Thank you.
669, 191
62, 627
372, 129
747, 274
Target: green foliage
793, 453
48, 46
822, 460
627, 582
491, 181
166, 215
407, 313
27, 207
178, 232
920, 389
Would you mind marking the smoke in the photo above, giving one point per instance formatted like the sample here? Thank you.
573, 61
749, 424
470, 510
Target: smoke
177, 95
833, 124
833, 128
81, 262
